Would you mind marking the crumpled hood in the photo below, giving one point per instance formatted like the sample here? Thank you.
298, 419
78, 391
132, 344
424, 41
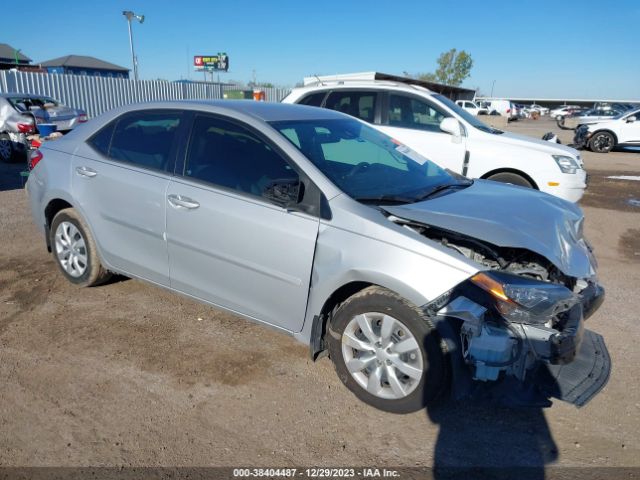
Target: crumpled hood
510, 216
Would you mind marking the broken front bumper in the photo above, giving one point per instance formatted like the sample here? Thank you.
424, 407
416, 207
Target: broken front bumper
567, 362
581, 137
564, 345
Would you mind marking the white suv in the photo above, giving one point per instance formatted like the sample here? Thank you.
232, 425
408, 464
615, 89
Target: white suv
440, 130
602, 136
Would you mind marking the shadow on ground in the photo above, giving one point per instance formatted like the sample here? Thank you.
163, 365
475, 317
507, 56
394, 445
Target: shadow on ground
486, 441
10, 178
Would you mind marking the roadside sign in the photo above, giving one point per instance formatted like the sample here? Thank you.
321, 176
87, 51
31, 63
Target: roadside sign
211, 62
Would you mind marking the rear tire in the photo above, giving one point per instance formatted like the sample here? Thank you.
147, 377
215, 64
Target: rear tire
511, 178
398, 364
8, 153
74, 250
602, 142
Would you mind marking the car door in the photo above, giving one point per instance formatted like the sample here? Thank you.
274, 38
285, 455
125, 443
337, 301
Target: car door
630, 130
228, 245
415, 121
120, 177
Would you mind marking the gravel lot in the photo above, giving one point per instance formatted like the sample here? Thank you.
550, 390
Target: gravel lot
128, 374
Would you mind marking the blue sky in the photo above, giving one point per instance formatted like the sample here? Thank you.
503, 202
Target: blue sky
562, 48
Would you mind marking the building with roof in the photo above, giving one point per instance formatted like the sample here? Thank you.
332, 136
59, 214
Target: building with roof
85, 65
12, 58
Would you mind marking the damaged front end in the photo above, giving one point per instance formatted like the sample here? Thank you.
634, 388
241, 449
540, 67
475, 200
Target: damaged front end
515, 331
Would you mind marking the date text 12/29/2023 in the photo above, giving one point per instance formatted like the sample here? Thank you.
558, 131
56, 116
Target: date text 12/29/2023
316, 472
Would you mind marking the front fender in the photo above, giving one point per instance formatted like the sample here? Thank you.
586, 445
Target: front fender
417, 277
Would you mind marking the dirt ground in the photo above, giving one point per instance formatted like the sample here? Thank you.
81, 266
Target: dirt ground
130, 375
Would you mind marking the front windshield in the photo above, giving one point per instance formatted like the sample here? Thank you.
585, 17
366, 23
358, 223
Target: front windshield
635, 113
364, 163
466, 116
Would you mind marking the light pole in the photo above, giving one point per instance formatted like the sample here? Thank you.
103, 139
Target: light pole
129, 14
492, 85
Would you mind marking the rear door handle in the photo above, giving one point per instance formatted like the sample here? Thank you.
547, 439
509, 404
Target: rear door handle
180, 201
86, 172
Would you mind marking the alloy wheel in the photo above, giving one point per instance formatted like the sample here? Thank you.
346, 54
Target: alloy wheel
71, 249
382, 355
602, 142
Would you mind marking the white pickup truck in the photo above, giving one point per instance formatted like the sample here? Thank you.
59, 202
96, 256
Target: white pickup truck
472, 107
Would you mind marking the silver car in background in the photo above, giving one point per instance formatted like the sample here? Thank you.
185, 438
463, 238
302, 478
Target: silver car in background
415, 281
47, 110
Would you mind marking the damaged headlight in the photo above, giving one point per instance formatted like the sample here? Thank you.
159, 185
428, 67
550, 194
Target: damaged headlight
566, 164
524, 300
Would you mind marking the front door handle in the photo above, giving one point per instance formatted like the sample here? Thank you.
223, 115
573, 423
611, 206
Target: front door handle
180, 201
86, 172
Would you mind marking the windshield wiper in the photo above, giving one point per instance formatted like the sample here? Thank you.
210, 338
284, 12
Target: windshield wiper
441, 188
488, 129
386, 199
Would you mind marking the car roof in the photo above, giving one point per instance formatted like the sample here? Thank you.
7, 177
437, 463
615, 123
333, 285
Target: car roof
268, 111
263, 111
364, 84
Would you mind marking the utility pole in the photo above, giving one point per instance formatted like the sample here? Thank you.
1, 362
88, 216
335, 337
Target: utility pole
134, 60
492, 85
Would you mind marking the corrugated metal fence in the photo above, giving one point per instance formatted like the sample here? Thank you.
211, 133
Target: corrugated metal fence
96, 95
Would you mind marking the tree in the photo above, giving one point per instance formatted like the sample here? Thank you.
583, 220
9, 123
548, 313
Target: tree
453, 68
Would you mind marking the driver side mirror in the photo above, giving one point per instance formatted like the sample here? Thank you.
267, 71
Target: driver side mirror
631, 119
451, 125
284, 192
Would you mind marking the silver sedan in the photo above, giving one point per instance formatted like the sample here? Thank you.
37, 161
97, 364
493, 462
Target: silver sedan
415, 281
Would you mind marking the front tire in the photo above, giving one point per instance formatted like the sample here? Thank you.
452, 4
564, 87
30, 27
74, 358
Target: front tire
511, 178
602, 142
74, 250
386, 351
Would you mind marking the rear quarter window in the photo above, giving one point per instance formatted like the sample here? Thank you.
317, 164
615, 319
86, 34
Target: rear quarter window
101, 141
313, 100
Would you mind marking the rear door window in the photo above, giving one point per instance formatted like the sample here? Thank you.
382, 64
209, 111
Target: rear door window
146, 139
358, 104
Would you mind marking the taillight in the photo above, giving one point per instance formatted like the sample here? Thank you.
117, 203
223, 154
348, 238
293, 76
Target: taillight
36, 156
82, 118
508, 110
25, 127
36, 143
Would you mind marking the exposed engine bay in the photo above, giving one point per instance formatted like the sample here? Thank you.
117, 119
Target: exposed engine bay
526, 315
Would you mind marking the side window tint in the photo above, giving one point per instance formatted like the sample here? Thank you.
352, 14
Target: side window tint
226, 154
145, 139
357, 104
101, 140
313, 100
408, 112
